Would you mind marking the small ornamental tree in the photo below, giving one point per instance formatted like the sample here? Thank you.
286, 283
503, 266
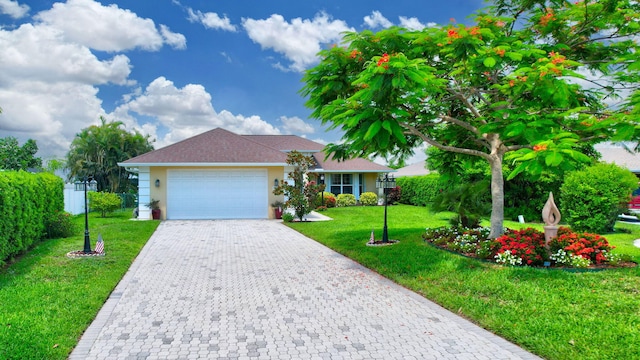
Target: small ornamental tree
301, 194
104, 202
527, 81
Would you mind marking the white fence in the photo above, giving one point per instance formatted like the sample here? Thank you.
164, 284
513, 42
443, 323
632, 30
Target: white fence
73, 200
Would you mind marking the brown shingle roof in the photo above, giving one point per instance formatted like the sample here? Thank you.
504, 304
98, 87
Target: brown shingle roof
214, 146
286, 142
220, 146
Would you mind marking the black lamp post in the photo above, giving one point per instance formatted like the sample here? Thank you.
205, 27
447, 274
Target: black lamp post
93, 184
385, 182
322, 180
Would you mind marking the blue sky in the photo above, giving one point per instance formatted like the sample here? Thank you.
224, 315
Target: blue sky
173, 69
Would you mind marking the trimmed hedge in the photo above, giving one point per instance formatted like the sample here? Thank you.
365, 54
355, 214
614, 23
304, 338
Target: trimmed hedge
593, 198
419, 190
27, 201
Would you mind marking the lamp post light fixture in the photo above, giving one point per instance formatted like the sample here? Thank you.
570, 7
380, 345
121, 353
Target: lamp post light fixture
92, 185
322, 180
385, 182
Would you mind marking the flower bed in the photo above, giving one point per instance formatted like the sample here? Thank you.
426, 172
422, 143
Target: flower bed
526, 247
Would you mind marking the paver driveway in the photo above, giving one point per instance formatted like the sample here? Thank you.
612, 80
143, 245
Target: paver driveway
257, 289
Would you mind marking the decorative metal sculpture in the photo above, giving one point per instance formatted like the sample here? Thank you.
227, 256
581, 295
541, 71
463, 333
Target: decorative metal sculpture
551, 217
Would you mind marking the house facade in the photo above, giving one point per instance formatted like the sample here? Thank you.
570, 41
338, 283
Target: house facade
222, 175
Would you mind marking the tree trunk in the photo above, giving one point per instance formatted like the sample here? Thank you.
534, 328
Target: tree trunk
497, 196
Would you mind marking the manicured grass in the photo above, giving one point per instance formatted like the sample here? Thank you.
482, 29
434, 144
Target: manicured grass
47, 300
556, 314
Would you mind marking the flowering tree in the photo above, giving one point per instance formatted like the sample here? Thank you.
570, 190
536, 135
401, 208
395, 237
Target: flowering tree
301, 194
527, 82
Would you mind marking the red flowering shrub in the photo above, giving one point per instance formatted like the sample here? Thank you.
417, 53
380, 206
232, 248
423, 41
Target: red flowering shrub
527, 244
589, 246
329, 200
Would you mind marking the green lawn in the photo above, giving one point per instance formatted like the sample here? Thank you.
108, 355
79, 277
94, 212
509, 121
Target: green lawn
555, 314
47, 300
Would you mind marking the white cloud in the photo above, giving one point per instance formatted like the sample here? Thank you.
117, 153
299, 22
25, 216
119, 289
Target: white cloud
376, 20
295, 125
48, 86
50, 113
413, 23
106, 28
226, 56
211, 20
299, 40
175, 40
13, 8
184, 112
40, 53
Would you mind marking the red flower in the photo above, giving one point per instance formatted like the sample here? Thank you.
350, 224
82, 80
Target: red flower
384, 59
453, 34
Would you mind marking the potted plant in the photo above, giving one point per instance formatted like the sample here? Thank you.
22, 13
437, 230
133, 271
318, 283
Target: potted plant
154, 205
278, 209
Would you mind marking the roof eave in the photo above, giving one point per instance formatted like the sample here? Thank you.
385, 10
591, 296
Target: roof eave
200, 164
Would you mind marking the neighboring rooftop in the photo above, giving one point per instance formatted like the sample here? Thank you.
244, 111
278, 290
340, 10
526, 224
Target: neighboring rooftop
415, 169
617, 154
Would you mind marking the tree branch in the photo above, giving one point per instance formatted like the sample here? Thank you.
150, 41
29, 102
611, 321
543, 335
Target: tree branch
414, 131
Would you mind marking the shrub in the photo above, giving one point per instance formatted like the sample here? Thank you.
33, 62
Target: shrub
26, 201
394, 195
346, 200
104, 202
589, 246
287, 217
526, 197
419, 190
527, 247
526, 244
368, 199
593, 198
59, 225
469, 201
329, 200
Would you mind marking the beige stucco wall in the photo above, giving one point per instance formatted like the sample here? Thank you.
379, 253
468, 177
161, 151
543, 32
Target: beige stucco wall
160, 193
370, 182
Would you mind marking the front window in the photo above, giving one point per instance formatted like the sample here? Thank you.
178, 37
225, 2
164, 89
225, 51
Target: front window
341, 184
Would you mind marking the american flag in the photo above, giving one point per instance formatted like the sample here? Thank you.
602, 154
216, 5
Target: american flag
99, 245
373, 238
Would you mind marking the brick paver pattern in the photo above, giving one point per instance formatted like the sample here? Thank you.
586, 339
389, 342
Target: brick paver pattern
255, 289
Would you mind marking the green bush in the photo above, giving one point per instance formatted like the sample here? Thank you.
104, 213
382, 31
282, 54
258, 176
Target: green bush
593, 198
26, 201
104, 202
526, 197
419, 190
59, 225
346, 200
368, 199
329, 200
287, 217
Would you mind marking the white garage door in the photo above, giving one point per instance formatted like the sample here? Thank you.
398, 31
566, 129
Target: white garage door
217, 194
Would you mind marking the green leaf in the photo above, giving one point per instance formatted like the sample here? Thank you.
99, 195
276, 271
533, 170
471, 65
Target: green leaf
515, 129
386, 125
489, 62
624, 132
553, 159
520, 168
514, 56
373, 130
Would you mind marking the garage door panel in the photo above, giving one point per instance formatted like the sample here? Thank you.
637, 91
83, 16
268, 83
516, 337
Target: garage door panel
217, 194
